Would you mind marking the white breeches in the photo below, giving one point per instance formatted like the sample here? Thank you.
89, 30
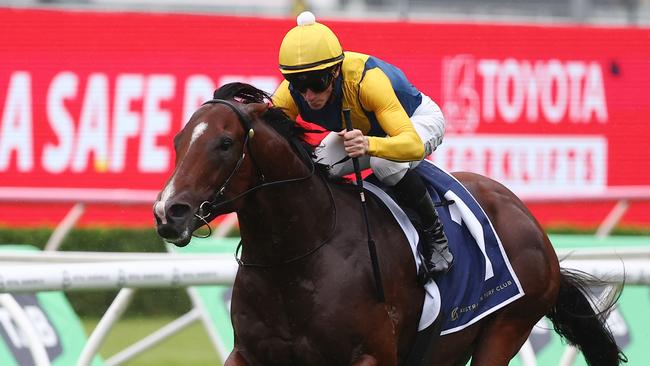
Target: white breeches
429, 123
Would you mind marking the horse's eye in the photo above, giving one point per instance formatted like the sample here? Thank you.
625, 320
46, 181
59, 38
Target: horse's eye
226, 144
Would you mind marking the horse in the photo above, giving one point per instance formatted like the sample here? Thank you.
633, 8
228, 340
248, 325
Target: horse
304, 292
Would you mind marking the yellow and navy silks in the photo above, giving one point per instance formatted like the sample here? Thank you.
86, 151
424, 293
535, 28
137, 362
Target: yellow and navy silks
381, 100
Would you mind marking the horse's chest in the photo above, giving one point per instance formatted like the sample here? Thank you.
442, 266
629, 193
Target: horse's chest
289, 340
298, 325
296, 350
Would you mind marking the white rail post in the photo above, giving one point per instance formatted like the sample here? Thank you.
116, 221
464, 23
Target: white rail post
527, 354
154, 338
612, 219
98, 335
569, 356
219, 347
64, 227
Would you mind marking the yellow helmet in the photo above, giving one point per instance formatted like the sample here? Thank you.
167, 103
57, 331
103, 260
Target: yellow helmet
309, 46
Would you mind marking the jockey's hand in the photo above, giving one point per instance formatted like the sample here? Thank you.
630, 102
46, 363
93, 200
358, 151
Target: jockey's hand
355, 143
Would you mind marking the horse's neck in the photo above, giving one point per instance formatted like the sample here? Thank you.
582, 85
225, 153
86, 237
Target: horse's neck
280, 220
286, 221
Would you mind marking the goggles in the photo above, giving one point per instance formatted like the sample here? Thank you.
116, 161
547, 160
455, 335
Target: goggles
316, 81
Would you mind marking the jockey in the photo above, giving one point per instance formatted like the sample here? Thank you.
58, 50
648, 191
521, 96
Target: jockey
395, 125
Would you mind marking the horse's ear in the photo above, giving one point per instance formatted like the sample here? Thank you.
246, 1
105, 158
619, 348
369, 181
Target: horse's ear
256, 109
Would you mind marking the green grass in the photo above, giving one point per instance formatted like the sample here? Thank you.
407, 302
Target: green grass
189, 347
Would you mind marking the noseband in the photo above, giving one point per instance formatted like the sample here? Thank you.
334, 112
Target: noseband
207, 207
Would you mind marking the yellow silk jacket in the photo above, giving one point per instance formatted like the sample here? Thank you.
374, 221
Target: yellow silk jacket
381, 100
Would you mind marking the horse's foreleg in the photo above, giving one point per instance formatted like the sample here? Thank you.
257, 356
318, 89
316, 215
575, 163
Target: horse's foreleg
365, 360
235, 359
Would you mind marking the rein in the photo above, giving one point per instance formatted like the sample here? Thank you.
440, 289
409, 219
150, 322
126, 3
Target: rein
301, 256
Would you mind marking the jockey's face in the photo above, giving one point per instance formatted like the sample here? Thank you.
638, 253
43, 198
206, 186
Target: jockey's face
316, 100
315, 89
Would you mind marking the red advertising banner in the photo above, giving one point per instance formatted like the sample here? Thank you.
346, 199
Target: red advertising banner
90, 101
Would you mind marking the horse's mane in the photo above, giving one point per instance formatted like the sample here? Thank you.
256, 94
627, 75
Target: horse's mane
274, 117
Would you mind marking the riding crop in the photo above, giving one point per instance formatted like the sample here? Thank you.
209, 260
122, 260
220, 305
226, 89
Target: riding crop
371, 243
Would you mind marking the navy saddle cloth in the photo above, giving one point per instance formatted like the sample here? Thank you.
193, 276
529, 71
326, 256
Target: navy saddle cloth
481, 280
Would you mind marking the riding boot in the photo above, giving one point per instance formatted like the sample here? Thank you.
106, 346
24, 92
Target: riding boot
411, 192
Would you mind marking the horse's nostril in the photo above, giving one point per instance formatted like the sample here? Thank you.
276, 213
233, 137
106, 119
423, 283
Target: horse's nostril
179, 210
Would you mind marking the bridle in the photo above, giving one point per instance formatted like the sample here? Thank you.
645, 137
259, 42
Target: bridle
208, 206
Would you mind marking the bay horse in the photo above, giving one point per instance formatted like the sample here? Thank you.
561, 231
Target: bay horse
304, 292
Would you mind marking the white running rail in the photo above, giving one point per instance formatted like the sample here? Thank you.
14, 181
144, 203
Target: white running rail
135, 271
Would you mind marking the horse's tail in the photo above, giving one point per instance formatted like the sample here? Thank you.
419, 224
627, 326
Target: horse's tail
575, 319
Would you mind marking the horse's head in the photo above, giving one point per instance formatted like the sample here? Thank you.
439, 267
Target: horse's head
210, 168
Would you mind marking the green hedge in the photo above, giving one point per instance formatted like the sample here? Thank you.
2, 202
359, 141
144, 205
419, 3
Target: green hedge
95, 303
